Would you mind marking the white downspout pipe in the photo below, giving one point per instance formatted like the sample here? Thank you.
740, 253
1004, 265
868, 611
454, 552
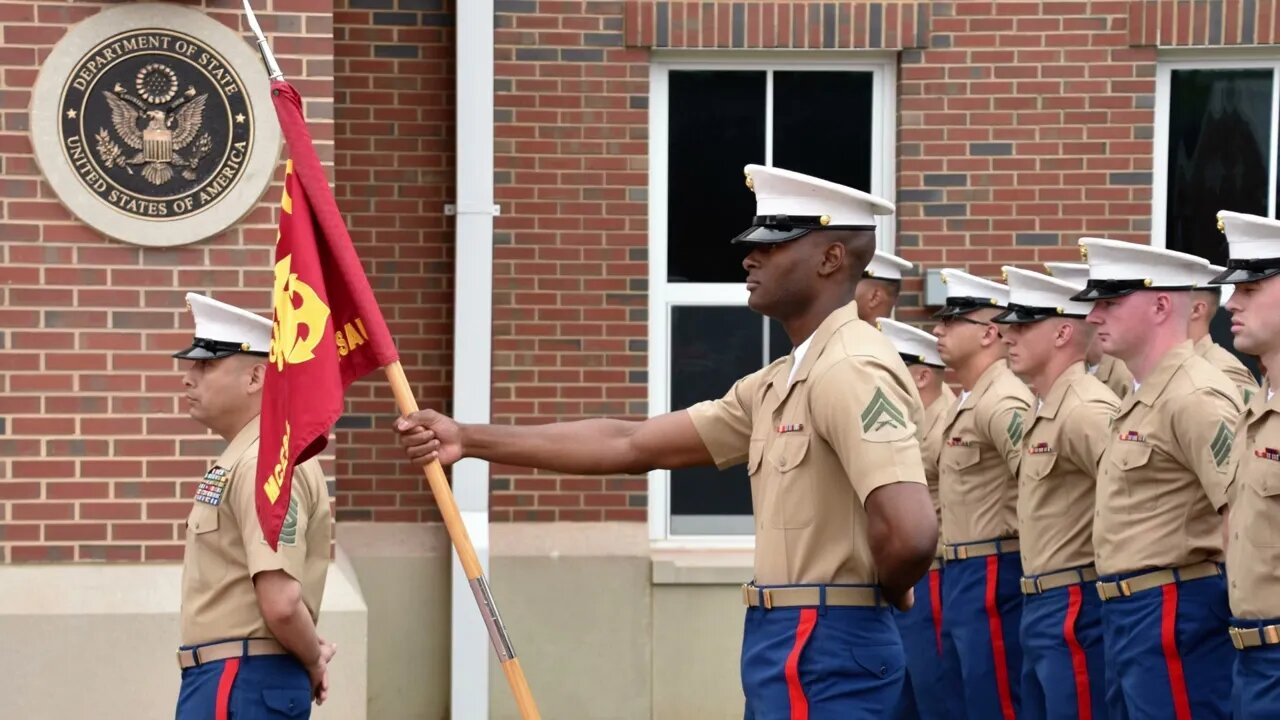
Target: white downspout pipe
472, 344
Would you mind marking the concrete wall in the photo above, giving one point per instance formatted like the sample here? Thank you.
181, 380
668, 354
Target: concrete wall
99, 641
602, 629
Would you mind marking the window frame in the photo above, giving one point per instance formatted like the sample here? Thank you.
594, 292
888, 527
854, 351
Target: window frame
663, 295
1166, 63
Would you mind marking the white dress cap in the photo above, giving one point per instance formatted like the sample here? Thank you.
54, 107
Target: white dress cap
912, 343
885, 266
223, 329
966, 293
1118, 268
790, 204
1035, 296
1253, 247
1074, 273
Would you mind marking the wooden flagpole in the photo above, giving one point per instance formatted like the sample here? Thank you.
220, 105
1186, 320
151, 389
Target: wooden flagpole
443, 495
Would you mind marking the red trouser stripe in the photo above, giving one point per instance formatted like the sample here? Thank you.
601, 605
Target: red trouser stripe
229, 670
935, 598
804, 628
997, 639
1080, 668
1169, 641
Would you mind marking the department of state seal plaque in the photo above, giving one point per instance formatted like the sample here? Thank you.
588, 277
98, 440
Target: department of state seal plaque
144, 123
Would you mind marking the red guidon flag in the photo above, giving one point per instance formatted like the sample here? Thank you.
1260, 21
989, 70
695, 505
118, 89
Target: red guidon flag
327, 331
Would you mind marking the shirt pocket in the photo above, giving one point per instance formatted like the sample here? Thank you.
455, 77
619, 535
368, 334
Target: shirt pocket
794, 499
1262, 516
960, 457
1130, 461
1036, 467
205, 561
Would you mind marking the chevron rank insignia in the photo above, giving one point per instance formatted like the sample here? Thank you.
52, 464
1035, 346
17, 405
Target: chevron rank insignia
1220, 446
882, 421
1015, 429
289, 531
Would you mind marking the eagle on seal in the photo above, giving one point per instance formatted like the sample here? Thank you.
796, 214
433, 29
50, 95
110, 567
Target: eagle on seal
165, 133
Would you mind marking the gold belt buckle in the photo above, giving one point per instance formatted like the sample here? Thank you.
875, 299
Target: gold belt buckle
746, 595
1271, 634
1236, 640
1124, 588
768, 599
962, 552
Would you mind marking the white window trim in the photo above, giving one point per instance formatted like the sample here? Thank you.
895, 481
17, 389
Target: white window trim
662, 295
1203, 60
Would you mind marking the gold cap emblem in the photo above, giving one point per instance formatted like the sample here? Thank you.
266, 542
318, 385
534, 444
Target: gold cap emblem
1084, 252
824, 220
1222, 228
750, 185
878, 325
1004, 275
244, 347
1146, 282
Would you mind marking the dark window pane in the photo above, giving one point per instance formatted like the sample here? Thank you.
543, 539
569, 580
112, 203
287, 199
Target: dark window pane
1219, 141
716, 126
711, 348
822, 125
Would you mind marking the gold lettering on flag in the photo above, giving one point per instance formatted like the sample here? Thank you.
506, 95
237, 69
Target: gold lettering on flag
275, 481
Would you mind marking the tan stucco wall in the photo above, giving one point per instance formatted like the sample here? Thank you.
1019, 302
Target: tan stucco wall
99, 641
604, 628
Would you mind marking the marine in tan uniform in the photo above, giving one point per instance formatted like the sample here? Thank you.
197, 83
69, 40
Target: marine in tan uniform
1106, 368
977, 485
881, 285
932, 681
843, 522
1066, 433
1162, 481
249, 642
1253, 549
1205, 301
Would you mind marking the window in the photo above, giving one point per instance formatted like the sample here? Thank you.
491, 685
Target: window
1215, 146
707, 120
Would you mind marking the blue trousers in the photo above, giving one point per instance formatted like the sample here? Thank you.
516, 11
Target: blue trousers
821, 663
258, 687
981, 616
1168, 653
1256, 691
1063, 660
931, 685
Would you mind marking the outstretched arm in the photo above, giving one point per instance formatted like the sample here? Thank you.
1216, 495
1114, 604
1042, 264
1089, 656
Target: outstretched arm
585, 447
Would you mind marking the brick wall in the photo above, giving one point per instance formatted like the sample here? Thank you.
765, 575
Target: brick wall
1023, 126
97, 457
394, 92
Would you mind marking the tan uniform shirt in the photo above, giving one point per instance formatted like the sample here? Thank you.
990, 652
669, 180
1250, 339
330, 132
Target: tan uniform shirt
225, 546
1057, 477
1230, 366
817, 449
1253, 555
1113, 373
930, 437
978, 465
1165, 472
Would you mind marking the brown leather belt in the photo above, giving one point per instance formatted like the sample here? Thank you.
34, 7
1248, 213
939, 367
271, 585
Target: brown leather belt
980, 549
1155, 579
1244, 638
229, 649
810, 596
1053, 581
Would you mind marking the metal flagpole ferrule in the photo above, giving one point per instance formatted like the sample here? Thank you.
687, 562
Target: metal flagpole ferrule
273, 69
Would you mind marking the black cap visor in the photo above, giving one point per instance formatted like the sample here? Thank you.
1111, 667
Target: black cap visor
1112, 289
917, 360
964, 305
1022, 314
206, 349
1243, 271
774, 229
